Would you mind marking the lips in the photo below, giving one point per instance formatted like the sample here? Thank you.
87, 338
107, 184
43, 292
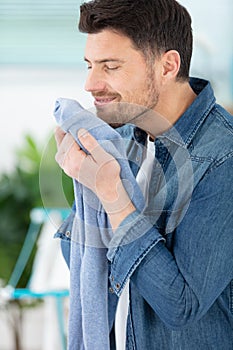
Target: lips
101, 101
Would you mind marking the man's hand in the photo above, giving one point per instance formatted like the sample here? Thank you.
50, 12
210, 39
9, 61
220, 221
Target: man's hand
98, 171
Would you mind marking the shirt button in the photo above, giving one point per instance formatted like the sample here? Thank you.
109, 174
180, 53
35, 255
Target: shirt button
111, 290
112, 278
118, 286
68, 234
137, 134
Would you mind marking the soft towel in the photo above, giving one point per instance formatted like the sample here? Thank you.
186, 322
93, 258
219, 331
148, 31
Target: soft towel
92, 306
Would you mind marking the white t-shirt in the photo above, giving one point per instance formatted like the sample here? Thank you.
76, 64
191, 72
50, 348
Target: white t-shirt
143, 180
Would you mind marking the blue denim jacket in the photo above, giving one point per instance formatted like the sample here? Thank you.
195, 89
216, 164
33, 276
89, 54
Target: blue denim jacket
178, 254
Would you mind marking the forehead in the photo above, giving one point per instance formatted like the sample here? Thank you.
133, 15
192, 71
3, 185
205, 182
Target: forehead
108, 43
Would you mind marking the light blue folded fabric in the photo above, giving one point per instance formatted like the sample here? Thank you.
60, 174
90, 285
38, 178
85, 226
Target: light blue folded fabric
92, 306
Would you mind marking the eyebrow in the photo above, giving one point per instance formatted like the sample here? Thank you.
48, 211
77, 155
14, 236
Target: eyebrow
105, 60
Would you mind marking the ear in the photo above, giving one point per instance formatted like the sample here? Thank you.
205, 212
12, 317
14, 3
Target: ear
171, 64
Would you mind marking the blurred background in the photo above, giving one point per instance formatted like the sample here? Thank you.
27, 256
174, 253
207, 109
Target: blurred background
41, 59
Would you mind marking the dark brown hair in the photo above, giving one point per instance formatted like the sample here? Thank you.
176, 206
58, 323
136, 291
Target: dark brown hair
154, 26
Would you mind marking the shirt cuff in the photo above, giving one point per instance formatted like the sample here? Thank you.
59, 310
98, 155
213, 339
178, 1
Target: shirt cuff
131, 242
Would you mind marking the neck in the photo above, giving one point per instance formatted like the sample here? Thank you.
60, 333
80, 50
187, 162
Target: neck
175, 101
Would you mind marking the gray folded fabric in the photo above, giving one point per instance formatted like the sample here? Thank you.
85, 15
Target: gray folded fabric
92, 306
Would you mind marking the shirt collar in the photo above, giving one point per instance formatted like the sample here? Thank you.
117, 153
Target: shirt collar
186, 126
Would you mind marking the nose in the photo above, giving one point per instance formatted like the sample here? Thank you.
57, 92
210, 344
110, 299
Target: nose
95, 81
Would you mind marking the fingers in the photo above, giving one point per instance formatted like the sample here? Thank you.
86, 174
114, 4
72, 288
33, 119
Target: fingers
65, 143
93, 147
59, 135
87, 140
98, 171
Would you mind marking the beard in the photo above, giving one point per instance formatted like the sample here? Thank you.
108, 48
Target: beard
132, 107
137, 109
117, 114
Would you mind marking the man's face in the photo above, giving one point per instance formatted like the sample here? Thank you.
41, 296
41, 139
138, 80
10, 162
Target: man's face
120, 79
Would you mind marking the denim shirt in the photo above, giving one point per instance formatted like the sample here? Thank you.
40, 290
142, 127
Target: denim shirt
178, 253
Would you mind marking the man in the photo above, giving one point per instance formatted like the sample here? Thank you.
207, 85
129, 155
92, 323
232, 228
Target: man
176, 254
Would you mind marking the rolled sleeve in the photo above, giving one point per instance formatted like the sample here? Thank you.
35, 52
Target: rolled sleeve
132, 241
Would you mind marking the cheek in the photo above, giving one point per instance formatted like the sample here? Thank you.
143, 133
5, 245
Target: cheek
127, 79
128, 86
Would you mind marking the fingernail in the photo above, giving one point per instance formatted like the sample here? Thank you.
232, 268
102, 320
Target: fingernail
82, 133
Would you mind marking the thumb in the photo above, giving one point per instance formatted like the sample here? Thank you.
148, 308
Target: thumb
87, 140
92, 146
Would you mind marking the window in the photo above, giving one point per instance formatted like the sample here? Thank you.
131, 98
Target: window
40, 32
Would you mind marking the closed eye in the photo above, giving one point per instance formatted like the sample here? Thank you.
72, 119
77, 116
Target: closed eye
111, 68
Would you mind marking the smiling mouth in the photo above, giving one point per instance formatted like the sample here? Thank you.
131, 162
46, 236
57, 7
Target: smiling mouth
102, 101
